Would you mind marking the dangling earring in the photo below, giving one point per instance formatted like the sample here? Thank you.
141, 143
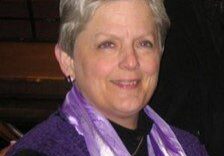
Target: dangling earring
70, 79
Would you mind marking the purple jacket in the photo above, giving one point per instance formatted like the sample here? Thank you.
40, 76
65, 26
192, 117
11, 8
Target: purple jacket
56, 137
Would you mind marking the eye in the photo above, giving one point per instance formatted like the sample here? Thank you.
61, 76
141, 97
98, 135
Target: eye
106, 44
146, 44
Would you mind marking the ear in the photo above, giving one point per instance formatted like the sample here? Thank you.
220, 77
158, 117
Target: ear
65, 62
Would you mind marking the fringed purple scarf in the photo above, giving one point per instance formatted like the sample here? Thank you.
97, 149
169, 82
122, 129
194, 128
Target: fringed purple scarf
101, 138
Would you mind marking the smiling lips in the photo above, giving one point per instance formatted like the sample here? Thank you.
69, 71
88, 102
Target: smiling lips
126, 84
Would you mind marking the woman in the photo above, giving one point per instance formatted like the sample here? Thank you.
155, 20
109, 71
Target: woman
111, 51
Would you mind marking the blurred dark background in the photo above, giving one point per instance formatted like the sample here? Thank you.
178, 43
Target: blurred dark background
190, 92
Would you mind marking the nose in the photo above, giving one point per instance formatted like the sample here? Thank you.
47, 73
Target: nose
130, 60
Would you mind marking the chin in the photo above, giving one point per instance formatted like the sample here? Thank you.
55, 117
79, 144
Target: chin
130, 107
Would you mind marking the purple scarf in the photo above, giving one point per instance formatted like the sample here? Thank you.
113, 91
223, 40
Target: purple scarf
101, 138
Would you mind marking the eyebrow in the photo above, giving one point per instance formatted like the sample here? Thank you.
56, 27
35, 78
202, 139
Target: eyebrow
150, 34
99, 34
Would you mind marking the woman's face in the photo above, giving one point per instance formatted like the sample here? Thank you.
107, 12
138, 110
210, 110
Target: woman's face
116, 59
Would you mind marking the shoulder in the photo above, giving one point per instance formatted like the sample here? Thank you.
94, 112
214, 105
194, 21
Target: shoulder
55, 137
190, 143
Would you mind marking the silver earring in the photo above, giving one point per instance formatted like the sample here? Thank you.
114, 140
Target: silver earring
70, 79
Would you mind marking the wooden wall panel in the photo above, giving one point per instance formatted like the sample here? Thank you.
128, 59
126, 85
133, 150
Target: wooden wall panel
31, 83
15, 29
13, 8
49, 34
45, 8
29, 61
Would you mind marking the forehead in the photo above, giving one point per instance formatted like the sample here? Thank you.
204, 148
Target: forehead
125, 7
129, 13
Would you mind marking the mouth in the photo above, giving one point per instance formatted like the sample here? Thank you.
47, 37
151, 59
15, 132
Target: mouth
126, 84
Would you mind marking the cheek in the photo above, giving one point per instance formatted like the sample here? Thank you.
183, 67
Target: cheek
102, 68
151, 66
98, 69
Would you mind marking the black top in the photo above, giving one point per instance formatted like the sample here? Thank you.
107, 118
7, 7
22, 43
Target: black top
132, 138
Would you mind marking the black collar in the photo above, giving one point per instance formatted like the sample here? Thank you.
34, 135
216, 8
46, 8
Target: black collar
131, 138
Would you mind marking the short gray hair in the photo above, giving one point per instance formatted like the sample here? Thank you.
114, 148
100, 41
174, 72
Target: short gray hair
74, 14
